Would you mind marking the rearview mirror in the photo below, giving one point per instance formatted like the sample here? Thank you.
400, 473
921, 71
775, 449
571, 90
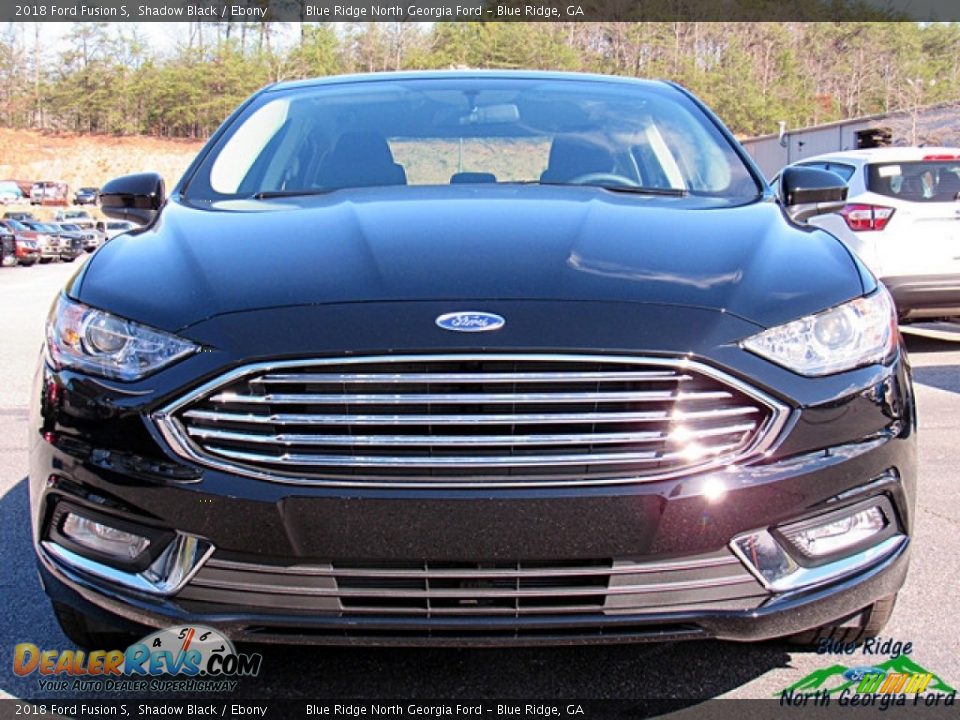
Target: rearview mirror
136, 198
807, 192
491, 115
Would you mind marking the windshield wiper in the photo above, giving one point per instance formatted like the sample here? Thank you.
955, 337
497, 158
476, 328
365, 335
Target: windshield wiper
632, 189
268, 194
639, 190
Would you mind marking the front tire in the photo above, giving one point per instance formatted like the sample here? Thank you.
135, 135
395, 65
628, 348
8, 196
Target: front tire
91, 633
853, 629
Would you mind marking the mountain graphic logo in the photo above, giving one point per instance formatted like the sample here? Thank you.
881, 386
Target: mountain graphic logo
835, 679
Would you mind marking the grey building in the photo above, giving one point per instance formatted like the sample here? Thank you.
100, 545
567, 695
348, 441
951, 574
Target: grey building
929, 125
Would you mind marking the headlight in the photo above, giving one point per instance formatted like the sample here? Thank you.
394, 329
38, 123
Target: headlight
859, 332
97, 342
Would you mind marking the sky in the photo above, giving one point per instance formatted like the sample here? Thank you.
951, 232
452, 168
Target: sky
161, 36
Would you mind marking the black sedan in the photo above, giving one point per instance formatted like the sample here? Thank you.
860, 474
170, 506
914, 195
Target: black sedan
473, 358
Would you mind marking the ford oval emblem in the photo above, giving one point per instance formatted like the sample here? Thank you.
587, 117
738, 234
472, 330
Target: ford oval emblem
470, 321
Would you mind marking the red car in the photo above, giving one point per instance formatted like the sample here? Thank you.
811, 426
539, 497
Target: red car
26, 242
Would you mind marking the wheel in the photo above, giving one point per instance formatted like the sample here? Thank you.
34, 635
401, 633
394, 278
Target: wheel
91, 633
68, 259
863, 624
28, 263
44, 261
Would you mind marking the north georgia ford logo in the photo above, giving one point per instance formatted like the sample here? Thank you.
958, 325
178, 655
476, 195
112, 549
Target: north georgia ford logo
189, 651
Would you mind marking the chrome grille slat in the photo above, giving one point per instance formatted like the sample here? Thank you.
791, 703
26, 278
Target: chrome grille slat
465, 399
505, 377
459, 440
501, 419
466, 462
470, 420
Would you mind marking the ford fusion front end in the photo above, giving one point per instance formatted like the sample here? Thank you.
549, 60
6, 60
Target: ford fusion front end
534, 358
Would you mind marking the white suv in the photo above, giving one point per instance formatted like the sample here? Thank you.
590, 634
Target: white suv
902, 218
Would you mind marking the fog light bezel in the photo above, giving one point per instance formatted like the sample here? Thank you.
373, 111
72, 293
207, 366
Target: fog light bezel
785, 569
158, 538
781, 532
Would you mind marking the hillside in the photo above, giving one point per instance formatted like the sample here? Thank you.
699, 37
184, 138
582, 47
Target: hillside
81, 160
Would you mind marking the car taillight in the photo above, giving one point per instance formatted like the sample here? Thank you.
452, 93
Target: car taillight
862, 217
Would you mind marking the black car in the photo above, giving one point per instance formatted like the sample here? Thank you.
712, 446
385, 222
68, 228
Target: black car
473, 358
78, 239
86, 196
8, 248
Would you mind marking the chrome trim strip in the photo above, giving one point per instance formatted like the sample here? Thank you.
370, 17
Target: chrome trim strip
471, 593
467, 398
506, 377
480, 573
452, 420
475, 461
180, 443
808, 577
170, 572
460, 440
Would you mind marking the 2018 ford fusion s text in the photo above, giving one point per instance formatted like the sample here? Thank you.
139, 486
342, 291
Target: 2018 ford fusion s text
473, 358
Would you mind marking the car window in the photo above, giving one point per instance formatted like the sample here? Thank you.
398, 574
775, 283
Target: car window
474, 130
920, 181
842, 169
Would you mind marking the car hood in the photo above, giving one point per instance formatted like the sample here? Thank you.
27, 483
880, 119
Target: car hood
468, 244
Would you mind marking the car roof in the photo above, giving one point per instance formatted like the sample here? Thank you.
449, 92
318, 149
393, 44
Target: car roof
462, 74
884, 154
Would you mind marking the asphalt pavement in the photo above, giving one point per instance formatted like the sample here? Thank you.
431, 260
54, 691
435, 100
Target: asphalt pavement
926, 614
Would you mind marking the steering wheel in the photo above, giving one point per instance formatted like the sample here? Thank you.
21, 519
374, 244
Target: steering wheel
603, 178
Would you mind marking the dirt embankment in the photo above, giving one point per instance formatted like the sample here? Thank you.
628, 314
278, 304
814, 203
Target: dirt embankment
90, 160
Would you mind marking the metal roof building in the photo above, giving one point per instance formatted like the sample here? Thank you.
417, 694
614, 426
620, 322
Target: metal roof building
929, 125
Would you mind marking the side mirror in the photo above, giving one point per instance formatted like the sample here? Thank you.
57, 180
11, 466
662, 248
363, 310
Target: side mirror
136, 198
807, 192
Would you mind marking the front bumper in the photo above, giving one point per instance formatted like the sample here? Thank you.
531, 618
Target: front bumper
925, 296
847, 441
780, 616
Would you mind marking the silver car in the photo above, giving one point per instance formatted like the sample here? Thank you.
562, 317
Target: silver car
902, 218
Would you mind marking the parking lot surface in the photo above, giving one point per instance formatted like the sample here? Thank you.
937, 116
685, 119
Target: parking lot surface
925, 615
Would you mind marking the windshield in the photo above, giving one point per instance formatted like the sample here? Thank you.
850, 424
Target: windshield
472, 131
922, 181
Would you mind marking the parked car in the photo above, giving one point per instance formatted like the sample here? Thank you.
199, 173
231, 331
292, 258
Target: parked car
47, 192
111, 228
73, 240
86, 196
8, 248
89, 239
48, 238
901, 219
77, 217
10, 192
20, 216
26, 242
603, 387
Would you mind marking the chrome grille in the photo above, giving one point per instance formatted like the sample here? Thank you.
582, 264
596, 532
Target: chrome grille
446, 589
463, 420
